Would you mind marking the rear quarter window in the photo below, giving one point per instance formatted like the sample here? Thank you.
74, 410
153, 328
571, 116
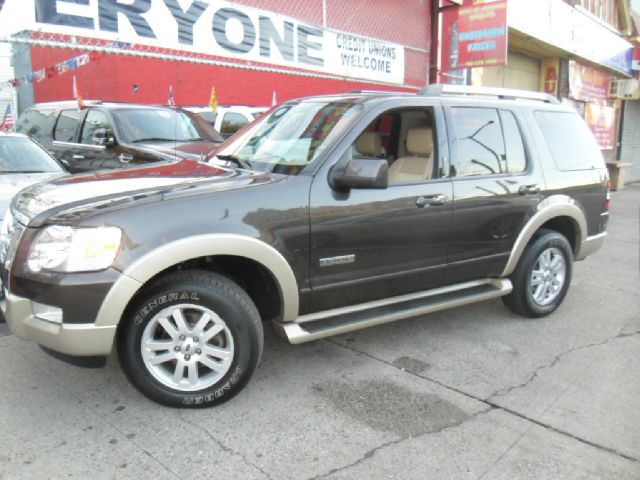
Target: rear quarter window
36, 123
571, 143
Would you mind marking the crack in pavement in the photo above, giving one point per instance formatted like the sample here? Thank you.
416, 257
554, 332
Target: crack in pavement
223, 446
370, 453
533, 375
493, 405
98, 415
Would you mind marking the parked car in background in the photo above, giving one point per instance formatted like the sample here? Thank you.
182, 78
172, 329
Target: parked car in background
229, 119
116, 135
22, 162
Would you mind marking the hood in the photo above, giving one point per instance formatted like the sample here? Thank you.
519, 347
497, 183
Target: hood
12, 183
86, 193
189, 150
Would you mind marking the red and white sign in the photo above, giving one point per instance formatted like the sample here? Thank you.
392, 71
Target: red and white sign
602, 122
482, 35
635, 63
588, 84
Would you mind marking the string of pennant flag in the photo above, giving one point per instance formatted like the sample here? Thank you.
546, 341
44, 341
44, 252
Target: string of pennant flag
52, 71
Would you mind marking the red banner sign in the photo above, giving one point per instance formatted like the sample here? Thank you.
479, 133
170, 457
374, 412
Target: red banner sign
635, 62
482, 35
588, 84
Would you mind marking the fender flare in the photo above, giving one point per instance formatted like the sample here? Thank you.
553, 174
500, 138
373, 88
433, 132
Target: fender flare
553, 207
149, 265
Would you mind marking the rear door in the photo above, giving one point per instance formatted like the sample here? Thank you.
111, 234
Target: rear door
496, 188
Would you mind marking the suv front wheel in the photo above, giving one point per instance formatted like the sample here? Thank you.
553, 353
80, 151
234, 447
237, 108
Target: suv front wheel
192, 341
542, 277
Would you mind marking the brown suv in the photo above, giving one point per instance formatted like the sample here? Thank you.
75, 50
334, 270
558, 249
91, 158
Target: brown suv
327, 215
106, 135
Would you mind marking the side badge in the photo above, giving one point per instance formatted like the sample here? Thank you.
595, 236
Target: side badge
339, 260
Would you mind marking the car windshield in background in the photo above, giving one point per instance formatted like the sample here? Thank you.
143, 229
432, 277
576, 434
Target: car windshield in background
156, 125
291, 137
21, 155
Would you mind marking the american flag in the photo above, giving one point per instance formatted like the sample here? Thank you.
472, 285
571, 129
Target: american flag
170, 101
7, 120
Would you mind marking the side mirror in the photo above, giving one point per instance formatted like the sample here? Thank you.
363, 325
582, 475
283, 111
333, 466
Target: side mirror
368, 172
104, 137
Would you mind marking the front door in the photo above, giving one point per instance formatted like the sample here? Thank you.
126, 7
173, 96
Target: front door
368, 244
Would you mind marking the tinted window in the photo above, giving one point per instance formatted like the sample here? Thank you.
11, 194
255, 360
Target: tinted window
570, 141
36, 123
209, 117
232, 122
161, 125
96, 128
67, 125
516, 158
21, 155
479, 144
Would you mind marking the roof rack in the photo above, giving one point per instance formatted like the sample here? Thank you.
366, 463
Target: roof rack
380, 92
439, 89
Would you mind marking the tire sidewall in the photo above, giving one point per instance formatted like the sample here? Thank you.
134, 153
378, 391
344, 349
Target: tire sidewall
545, 241
245, 340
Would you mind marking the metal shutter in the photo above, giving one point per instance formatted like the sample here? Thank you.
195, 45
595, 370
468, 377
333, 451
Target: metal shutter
630, 143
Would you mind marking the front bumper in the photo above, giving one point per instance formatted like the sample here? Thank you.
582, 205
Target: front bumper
82, 339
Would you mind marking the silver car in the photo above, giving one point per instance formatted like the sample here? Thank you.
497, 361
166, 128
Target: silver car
22, 163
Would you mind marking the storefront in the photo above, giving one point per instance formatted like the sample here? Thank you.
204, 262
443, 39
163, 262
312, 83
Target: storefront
250, 51
556, 48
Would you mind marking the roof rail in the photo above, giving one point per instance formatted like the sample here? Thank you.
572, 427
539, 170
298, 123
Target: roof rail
439, 89
379, 92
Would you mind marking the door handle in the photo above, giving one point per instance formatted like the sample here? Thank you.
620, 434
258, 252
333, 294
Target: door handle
75, 156
125, 157
528, 189
431, 201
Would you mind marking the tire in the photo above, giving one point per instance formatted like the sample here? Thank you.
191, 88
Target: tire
193, 340
529, 300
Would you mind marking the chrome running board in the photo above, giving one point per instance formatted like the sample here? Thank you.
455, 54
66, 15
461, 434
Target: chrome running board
348, 319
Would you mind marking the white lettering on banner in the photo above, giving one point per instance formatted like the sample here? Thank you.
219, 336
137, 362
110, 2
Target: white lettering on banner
213, 27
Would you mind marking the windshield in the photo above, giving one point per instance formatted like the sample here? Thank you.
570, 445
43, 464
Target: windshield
21, 155
158, 125
291, 136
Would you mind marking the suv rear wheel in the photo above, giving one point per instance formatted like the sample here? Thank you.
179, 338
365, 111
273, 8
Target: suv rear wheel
192, 341
542, 277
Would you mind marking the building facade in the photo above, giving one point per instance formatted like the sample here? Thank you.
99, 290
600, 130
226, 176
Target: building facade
573, 50
250, 51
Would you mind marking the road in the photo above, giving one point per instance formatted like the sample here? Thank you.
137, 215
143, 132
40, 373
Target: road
470, 393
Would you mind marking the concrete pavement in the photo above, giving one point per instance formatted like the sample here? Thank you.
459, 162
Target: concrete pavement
470, 393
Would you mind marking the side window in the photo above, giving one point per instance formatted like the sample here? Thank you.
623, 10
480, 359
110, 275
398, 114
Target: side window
571, 143
67, 125
405, 138
36, 123
209, 117
479, 143
516, 158
232, 122
96, 128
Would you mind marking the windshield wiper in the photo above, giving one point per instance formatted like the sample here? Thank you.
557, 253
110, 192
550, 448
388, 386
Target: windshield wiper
155, 139
237, 160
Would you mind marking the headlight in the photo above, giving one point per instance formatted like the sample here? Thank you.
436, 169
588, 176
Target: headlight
66, 249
